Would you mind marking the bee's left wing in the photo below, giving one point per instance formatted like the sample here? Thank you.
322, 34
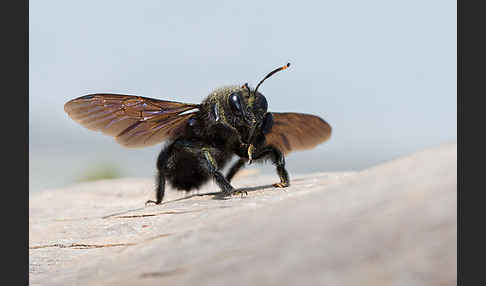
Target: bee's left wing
134, 121
297, 131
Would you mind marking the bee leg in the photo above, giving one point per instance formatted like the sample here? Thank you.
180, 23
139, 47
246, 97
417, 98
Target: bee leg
160, 190
223, 184
278, 160
235, 168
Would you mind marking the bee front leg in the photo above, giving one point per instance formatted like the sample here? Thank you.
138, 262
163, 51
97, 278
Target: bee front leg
278, 160
223, 184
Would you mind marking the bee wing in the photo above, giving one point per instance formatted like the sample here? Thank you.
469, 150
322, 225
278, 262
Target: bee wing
134, 121
297, 131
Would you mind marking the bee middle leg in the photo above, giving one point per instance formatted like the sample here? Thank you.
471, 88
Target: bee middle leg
235, 168
222, 182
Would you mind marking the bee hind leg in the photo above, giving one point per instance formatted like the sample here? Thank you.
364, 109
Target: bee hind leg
159, 191
160, 182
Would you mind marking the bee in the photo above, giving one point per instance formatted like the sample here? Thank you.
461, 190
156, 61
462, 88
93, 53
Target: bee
203, 138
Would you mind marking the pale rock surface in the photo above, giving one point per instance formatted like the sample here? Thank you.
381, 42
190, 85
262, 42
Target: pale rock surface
393, 224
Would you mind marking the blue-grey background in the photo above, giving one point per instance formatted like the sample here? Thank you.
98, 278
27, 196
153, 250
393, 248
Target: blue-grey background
382, 73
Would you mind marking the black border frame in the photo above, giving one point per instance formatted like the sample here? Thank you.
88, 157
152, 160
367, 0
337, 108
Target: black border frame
15, 87
470, 33
470, 182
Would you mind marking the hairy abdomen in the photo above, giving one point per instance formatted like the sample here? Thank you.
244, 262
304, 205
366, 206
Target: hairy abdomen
187, 168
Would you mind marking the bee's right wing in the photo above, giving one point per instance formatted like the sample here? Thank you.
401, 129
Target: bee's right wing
134, 121
297, 131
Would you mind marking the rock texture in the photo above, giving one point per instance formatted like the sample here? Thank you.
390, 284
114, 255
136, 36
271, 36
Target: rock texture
393, 224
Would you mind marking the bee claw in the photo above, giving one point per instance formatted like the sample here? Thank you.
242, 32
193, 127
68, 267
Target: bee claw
280, 185
235, 192
151, 202
241, 192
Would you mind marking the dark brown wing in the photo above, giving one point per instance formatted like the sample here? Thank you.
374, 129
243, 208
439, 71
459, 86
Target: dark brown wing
134, 121
297, 131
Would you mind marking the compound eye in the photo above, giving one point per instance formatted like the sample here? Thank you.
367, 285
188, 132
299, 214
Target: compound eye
235, 102
267, 123
263, 103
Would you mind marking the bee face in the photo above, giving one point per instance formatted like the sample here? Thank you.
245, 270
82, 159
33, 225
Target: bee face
252, 108
249, 110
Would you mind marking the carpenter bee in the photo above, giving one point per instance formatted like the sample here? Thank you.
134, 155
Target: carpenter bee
202, 138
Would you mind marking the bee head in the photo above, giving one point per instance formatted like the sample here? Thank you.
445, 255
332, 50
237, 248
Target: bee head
257, 104
247, 109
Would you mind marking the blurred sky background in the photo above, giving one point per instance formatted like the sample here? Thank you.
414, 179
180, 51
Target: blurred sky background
382, 73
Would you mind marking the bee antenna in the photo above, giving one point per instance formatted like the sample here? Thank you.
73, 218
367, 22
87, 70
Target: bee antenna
270, 74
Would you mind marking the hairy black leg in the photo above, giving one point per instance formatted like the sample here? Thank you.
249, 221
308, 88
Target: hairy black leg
235, 168
272, 153
223, 184
160, 189
278, 160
